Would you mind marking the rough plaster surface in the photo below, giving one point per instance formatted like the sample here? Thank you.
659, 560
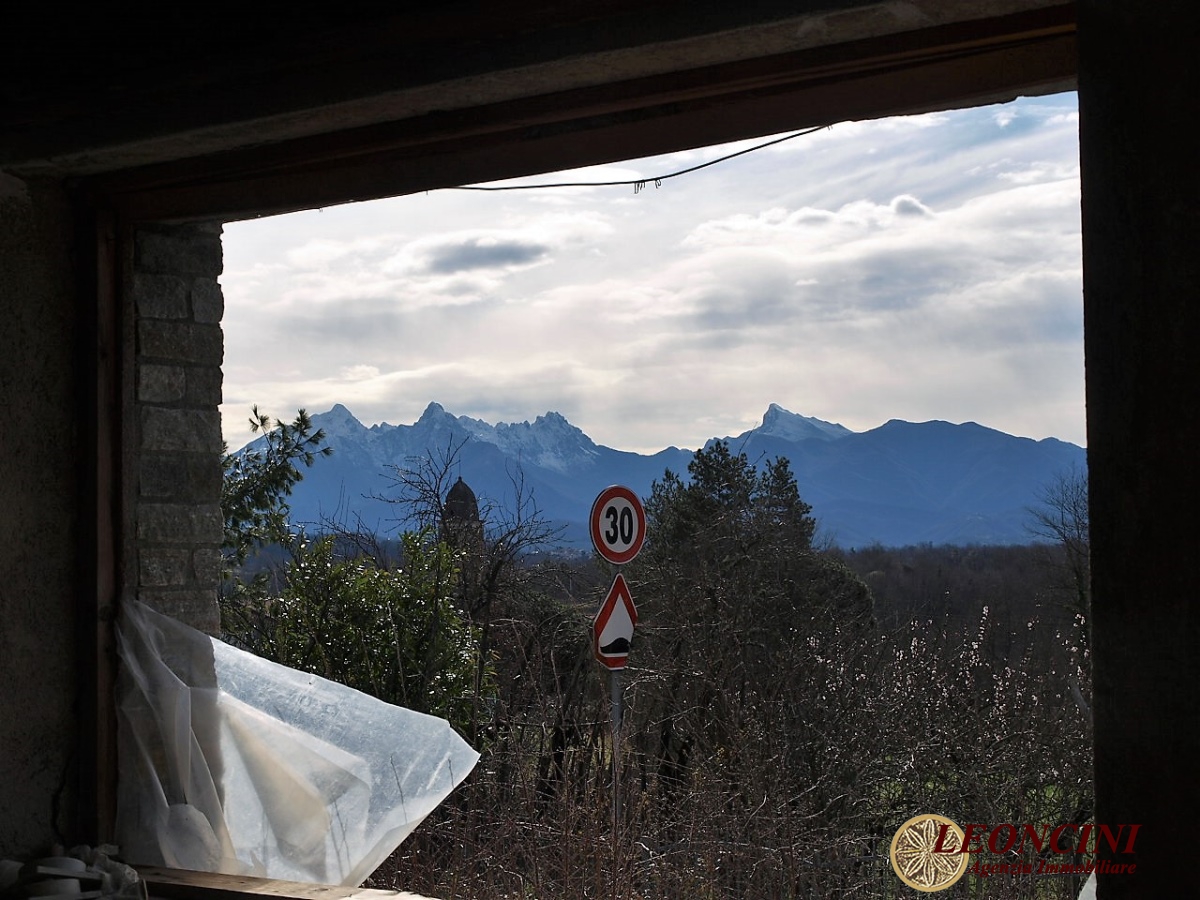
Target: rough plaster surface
179, 523
38, 519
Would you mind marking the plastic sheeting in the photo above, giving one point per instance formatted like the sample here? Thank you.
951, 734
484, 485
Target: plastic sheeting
230, 763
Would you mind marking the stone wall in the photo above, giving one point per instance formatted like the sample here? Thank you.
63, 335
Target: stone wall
178, 305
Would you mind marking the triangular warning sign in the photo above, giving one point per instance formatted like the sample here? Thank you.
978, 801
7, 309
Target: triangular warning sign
612, 629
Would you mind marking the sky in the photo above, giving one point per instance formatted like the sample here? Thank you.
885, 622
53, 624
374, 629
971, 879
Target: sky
916, 268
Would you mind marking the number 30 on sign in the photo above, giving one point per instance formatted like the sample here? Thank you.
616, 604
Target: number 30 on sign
618, 524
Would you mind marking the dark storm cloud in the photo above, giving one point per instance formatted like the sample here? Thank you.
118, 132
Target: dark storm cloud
483, 253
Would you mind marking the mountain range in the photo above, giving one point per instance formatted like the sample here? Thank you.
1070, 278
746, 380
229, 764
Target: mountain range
899, 484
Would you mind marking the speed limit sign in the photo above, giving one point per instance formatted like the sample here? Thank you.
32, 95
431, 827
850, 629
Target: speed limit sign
618, 524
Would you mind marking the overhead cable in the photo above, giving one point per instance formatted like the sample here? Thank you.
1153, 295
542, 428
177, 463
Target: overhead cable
638, 184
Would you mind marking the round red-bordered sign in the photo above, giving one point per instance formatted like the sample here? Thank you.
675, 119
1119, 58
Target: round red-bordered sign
618, 524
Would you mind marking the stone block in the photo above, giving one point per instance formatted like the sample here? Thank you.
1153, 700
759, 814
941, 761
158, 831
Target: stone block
204, 385
161, 296
196, 607
178, 250
161, 384
166, 429
182, 342
180, 523
208, 303
207, 565
180, 476
163, 568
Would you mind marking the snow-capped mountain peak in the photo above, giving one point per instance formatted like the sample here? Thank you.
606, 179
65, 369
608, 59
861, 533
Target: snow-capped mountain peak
338, 422
550, 441
896, 484
434, 414
781, 423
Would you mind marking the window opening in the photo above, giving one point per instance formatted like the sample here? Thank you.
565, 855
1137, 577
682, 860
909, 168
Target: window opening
918, 269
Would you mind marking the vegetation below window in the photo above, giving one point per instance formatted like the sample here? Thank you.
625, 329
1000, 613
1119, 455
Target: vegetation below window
787, 705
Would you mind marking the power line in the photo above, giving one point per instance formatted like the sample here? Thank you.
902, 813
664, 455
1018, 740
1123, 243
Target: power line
638, 184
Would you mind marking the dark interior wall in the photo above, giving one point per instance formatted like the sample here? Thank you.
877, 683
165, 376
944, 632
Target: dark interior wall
39, 531
1141, 221
49, 679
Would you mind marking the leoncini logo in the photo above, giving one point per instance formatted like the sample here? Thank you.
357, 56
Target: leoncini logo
930, 852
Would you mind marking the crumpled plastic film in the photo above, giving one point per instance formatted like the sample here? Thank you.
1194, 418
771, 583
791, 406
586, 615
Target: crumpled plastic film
230, 763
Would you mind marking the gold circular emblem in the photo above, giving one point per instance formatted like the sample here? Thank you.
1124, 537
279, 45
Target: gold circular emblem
918, 860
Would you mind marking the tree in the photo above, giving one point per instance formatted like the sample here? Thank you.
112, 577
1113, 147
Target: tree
740, 538
391, 633
506, 532
732, 591
1061, 517
336, 606
258, 480
489, 551
727, 508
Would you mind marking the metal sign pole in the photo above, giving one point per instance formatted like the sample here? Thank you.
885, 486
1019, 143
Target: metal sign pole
615, 685
618, 527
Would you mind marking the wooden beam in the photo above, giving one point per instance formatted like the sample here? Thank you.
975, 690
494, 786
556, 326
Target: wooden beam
99, 550
112, 92
788, 71
592, 126
110, 80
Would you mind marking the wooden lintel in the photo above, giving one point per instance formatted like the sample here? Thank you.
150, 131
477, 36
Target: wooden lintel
1040, 33
100, 537
791, 72
350, 168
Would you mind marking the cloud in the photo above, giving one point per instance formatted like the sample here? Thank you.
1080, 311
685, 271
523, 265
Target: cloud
359, 373
1040, 172
812, 227
916, 268
320, 254
483, 253
905, 205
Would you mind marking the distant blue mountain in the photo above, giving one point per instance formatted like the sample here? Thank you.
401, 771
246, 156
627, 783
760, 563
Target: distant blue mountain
901, 483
